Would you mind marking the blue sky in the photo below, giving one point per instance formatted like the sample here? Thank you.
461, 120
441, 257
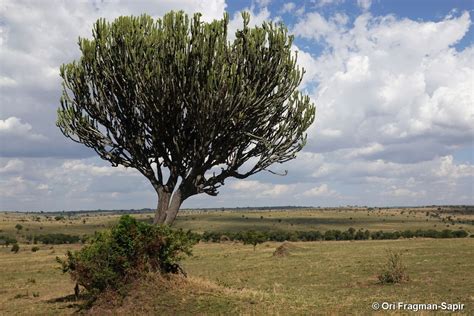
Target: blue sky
392, 82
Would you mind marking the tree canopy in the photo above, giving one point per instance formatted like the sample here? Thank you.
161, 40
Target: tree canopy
177, 100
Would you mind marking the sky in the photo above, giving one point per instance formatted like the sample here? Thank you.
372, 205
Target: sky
392, 81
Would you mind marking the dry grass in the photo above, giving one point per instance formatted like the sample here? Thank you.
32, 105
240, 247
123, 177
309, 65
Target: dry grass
322, 220
341, 277
31, 283
229, 278
317, 278
176, 295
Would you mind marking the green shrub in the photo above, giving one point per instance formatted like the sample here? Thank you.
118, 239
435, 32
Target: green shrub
15, 248
254, 238
350, 234
6, 240
362, 235
460, 233
114, 257
35, 249
57, 239
394, 270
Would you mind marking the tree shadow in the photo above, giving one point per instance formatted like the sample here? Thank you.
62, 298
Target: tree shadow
79, 302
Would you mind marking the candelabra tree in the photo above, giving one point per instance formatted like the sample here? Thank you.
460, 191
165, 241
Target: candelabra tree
178, 101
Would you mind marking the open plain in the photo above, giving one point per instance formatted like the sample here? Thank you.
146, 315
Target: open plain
317, 277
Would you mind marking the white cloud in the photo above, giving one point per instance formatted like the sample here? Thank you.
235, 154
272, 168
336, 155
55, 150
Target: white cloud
364, 4
7, 81
324, 170
247, 185
79, 166
392, 82
263, 3
322, 190
14, 187
448, 169
329, 132
300, 11
404, 192
345, 166
12, 166
42, 186
33, 49
258, 189
306, 61
315, 26
288, 7
366, 151
322, 3
394, 102
14, 126
256, 19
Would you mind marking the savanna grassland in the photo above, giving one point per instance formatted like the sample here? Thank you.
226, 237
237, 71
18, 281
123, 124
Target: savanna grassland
335, 277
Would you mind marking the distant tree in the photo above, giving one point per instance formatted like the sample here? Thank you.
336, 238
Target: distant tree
6, 240
15, 248
254, 238
18, 227
186, 107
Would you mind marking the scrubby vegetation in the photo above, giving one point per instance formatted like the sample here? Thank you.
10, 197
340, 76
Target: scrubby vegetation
15, 248
227, 277
394, 270
131, 248
55, 239
7, 240
253, 238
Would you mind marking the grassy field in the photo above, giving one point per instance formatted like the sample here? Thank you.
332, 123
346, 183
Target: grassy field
322, 220
239, 220
335, 277
340, 277
31, 282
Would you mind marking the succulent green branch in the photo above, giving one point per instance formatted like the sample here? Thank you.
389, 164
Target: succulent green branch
175, 94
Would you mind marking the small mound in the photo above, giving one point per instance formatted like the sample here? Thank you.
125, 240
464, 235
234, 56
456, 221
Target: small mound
283, 250
155, 294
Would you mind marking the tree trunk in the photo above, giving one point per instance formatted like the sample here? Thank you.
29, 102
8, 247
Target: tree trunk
163, 201
173, 207
167, 210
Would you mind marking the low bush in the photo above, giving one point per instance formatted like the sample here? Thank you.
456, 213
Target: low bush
254, 238
35, 249
6, 240
460, 234
15, 248
333, 234
394, 271
57, 239
131, 248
